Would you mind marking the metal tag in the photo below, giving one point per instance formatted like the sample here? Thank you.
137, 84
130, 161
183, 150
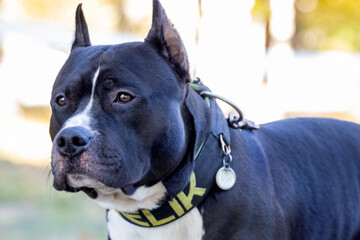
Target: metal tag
225, 178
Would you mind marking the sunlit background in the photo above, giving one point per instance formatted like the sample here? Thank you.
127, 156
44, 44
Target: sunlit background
273, 58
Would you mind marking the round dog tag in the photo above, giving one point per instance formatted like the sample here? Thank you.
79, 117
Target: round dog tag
225, 178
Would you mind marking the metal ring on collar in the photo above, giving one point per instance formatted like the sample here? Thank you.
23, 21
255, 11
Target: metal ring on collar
233, 121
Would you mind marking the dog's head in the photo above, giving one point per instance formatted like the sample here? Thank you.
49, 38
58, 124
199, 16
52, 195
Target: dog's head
119, 125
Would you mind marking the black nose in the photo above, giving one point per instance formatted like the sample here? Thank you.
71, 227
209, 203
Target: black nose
73, 140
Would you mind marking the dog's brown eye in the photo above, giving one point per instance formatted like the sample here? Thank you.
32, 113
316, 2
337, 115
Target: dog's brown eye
123, 97
61, 101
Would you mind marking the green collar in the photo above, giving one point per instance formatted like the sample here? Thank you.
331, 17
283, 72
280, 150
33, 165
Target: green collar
198, 87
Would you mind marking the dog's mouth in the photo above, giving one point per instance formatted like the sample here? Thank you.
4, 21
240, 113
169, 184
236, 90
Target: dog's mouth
91, 192
70, 178
73, 184
75, 181
93, 187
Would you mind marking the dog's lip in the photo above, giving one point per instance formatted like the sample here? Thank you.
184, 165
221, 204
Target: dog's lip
60, 182
63, 183
93, 186
98, 184
91, 192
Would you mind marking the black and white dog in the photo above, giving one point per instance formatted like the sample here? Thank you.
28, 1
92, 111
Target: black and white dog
130, 129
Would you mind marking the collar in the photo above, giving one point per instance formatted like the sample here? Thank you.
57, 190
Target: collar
210, 128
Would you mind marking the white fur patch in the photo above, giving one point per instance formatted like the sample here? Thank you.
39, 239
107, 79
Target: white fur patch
188, 227
144, 197
83, 119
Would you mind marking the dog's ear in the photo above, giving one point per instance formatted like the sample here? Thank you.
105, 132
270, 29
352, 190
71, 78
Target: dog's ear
82, 38
167, 41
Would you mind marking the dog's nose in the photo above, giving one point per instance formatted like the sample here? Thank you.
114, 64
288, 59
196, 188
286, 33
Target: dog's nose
73, 140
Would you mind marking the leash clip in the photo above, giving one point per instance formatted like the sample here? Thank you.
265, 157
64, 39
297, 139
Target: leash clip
225, 176
226, 149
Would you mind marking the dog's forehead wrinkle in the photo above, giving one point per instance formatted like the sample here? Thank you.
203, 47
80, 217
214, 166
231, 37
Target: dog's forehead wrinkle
81, 63
130, 62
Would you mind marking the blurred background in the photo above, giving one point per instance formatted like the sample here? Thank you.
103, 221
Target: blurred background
274, 58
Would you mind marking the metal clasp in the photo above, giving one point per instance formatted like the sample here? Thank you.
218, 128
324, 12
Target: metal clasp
226, 149
227, 159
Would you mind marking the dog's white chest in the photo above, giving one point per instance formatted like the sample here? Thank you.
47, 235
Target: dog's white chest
190, 227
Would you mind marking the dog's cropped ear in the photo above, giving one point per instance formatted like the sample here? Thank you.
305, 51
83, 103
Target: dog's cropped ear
82, 38
167, 41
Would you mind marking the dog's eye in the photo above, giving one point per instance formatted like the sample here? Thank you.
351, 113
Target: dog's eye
60, 100
123, 97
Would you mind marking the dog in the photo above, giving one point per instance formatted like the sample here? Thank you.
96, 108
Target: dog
132, 130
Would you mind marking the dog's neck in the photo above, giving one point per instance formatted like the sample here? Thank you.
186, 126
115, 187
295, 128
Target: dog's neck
208, 123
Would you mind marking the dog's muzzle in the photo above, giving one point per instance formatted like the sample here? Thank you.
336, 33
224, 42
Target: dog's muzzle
69, 145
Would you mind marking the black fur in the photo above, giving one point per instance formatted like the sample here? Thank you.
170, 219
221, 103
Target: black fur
297, 179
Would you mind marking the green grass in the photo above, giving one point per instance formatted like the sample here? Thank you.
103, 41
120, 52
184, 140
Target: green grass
31, 209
